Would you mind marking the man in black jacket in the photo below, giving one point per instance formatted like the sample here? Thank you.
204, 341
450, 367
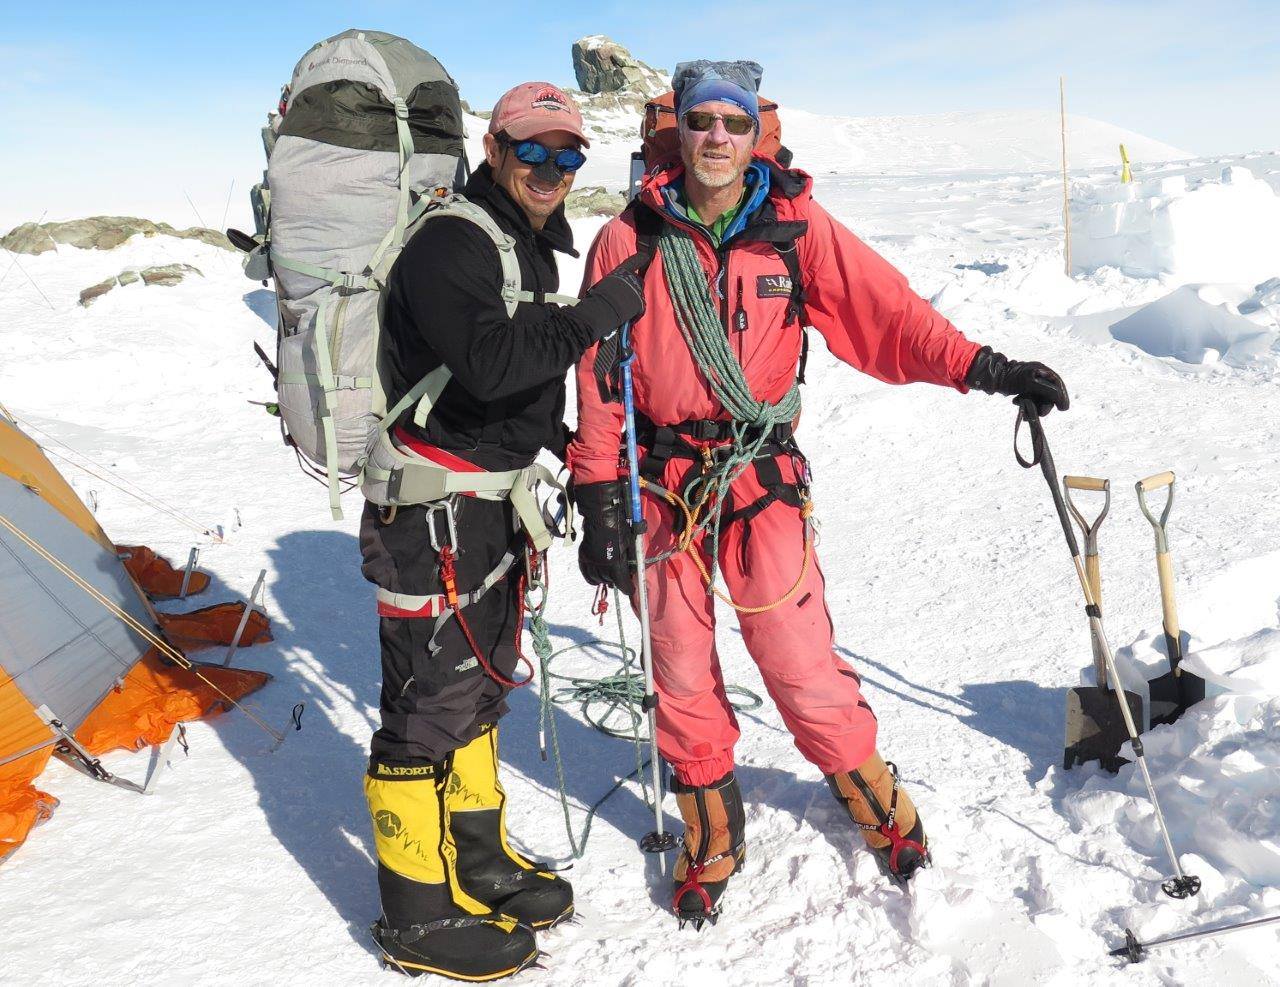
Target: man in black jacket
456, 898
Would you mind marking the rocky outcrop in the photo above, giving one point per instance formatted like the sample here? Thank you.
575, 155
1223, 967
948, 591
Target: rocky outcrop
99, 233
166, 275
601, 65
593, 200
614, 86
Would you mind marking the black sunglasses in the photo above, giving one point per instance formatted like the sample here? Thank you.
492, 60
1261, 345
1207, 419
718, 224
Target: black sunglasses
736, 124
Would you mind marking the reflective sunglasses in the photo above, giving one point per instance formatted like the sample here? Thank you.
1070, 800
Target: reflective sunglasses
700, 122
533, 153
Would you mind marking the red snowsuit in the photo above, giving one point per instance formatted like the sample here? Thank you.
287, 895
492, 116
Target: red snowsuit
872, 320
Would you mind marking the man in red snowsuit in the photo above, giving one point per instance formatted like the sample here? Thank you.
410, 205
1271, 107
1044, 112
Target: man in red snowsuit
771, 260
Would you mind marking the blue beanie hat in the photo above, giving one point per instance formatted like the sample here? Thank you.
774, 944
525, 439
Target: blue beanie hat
730, 82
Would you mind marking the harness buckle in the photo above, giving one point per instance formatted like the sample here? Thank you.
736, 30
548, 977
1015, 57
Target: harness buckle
451, 527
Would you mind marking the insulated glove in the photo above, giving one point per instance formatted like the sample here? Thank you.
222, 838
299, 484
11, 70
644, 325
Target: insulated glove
995, 373
603, 555
621, 291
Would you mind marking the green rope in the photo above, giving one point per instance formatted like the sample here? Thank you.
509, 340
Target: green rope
708, 342
620, 693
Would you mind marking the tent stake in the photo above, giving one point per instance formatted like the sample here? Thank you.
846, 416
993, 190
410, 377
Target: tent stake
186, 575
244, 617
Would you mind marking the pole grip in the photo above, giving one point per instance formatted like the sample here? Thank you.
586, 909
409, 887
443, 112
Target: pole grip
629, 424
1028, 412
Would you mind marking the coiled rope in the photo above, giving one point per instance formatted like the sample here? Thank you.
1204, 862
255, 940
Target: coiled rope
620, 694
702, 501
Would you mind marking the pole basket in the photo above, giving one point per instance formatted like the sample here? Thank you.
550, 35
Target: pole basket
656, 842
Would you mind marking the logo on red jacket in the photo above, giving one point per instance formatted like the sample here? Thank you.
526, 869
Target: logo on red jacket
773, 286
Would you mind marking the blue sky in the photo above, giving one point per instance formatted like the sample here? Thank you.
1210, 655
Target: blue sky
86, 88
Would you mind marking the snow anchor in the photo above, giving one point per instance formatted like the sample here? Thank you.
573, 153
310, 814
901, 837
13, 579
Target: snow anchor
1180, 885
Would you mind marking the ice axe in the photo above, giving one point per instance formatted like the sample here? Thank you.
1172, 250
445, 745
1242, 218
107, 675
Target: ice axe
1180, 885
1095, 729
1174, 691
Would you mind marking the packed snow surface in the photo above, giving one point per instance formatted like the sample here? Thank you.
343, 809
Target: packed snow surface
948, 583
1216, 228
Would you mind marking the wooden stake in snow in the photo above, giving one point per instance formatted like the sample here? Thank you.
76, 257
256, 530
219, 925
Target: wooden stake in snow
1066, 196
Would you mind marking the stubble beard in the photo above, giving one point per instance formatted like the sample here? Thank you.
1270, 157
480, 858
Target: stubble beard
715, 177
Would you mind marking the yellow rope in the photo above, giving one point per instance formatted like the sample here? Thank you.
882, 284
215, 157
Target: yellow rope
685, 544
161, 645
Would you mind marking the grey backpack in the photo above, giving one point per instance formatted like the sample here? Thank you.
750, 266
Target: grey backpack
370, 129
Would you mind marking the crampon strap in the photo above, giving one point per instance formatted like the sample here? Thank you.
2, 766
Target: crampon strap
889, 828
693, 883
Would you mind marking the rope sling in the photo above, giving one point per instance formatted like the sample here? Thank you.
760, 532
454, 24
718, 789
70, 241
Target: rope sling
702, 501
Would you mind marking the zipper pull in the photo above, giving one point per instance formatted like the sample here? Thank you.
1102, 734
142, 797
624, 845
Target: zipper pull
740, 316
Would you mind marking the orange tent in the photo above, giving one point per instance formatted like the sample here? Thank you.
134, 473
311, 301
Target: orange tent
80, 670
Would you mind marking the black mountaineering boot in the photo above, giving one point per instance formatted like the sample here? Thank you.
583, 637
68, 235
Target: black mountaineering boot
489, 870
714, 847
428, 925
886, 815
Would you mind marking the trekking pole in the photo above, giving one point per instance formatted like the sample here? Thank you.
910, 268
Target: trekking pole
658, 841
1180, 885
1136, 951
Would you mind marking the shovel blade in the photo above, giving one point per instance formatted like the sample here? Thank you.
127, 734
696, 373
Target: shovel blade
1171, 694
1095, 727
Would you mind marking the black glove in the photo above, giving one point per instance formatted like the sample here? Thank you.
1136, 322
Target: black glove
603, 555
995, 373
616, 298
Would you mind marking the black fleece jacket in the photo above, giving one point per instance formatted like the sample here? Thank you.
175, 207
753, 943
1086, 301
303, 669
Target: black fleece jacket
506, 398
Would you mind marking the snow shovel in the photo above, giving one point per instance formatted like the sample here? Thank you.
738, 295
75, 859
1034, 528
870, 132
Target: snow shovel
1174, 691
1181, 885
1095, 728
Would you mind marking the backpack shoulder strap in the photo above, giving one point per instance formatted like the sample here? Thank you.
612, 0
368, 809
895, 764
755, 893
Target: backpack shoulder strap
795, 307
427, 391
648, 225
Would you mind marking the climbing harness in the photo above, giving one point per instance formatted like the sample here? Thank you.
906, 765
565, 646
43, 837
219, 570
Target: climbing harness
756, 433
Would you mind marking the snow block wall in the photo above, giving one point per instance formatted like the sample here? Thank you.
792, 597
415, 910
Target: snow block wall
1223, 230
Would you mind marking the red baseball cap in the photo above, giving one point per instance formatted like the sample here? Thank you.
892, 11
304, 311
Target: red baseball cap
533, 108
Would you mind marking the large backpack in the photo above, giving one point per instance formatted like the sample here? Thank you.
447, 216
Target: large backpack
369, 133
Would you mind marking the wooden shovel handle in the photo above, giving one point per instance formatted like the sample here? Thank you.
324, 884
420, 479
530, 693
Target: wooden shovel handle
1156, 482
1164, 565
1093, 573
1084, 483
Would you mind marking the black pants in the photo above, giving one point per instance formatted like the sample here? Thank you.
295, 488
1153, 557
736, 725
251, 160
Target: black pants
436, 703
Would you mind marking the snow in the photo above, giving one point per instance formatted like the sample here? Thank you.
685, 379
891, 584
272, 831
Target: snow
948, 583
1220, 228
1000, 141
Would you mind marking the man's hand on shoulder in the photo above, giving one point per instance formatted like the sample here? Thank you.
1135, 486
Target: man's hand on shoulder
616, 298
